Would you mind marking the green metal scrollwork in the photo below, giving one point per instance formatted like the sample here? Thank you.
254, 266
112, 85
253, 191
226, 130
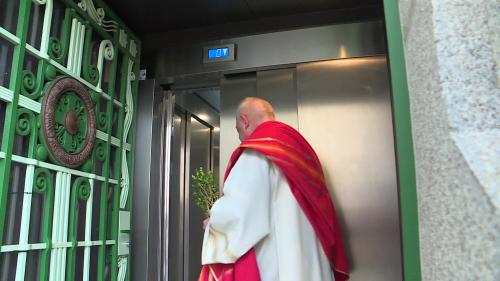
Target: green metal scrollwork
55, 48
90, 71
78, 40
29, 83
106, 52
25, 122
102, 121
32, 85
100, 151
43, 180
81, 191
82, 187
58, 48
95, 96
71, 122
44, 184
91, 74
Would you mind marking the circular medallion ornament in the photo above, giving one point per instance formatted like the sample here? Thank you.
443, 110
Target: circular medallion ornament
68, 122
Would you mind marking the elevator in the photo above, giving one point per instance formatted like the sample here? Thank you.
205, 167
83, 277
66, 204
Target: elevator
337, 95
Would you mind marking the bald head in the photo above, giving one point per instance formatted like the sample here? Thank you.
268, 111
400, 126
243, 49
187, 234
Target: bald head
251, 113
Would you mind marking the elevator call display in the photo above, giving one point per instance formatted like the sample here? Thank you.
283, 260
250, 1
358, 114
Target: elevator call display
219, 53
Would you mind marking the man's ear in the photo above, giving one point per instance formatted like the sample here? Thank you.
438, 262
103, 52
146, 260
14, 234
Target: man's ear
246, 121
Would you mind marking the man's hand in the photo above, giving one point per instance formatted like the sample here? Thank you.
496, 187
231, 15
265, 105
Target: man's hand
205, 223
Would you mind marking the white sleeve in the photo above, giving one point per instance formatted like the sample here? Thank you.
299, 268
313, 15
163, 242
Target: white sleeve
240, 218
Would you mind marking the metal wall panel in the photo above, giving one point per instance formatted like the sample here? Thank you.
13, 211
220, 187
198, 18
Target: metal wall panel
146, 209
190, 101
233, 90
345, 113
273, 49
278, 87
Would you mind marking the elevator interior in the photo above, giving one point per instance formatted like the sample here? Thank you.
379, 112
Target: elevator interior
332, 85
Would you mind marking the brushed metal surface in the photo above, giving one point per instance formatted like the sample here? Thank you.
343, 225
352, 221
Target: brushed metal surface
200, 154
166, 141
278, 87
273, 49
176, 201
191, 101
192, 147
345, 113
233, 89
146, 208
186, 192
343, 108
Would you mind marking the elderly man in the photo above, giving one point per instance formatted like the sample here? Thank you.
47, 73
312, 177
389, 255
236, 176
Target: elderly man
275, 220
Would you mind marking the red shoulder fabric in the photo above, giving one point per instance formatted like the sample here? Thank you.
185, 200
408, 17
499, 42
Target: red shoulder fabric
288, 149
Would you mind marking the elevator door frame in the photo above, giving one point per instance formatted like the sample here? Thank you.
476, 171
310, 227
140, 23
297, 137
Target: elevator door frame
185, 179
212, 80
176, 103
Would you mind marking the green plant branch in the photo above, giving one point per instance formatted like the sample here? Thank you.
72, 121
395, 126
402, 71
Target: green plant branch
206, 192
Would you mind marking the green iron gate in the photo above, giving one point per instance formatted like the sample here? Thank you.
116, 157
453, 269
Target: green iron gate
67, 93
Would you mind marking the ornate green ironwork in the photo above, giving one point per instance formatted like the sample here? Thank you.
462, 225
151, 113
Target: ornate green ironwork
90, 71
87, 41
100, 150
83, 187
29, 84
68, 122
25, 122
44, 184
102, 121
71, 122
58, 49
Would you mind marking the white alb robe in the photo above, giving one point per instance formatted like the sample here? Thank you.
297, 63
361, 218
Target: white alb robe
259, 210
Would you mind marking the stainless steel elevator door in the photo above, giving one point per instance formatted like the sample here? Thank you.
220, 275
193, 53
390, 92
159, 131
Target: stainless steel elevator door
199, 157
276, 85
176, 198
345, 113
194, 139
232, 90
343, 108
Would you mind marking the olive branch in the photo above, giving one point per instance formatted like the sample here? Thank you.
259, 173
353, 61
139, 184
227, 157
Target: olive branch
205, 191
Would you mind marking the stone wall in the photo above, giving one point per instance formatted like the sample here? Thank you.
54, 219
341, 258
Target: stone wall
453, 71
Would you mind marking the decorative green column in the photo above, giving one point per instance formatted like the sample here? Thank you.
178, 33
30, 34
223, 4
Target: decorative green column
67, 120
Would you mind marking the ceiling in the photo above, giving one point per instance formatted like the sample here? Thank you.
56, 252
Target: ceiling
147, 17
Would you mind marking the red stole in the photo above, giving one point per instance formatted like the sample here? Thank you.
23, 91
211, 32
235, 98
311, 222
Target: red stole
298, 162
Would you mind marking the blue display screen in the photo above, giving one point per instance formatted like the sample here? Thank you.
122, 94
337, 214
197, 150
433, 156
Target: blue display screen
218, 53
